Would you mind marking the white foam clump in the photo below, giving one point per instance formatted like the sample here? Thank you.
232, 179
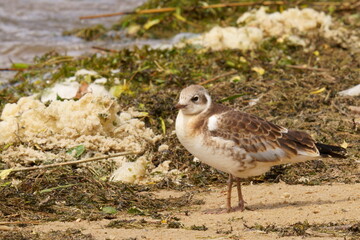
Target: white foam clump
65, 90
230, 37
142, 171
163, 171
71, 86
130, 172
84, 72
163, 148
291, 24
92, 121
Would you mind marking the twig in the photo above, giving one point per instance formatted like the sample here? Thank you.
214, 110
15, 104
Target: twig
51, 61
327, 3
56, 60
13, 69
6, 228
220, 5
154, 10
244, 4
19, 222
105, 49
333, 104
219, 76
348, 6
307, 68
172, 9
71, 162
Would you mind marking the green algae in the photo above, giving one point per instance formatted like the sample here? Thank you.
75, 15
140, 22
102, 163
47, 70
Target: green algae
68, 234
89, 33
193, 16
67, 194
188, 17
327, 230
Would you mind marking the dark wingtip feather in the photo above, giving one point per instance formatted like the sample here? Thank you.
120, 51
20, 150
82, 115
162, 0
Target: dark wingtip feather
329, 150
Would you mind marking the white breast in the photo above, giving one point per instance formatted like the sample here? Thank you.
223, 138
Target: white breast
208, 154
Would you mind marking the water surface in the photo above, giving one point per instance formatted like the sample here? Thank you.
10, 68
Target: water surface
33, 27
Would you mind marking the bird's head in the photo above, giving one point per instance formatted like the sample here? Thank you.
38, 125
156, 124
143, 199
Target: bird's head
193, 100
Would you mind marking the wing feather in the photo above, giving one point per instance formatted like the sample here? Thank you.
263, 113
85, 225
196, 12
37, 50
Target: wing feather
263, 140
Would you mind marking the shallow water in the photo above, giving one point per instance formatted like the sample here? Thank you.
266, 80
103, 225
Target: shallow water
30, 28
33, 27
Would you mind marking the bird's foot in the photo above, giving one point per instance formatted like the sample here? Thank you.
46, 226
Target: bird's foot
240, 206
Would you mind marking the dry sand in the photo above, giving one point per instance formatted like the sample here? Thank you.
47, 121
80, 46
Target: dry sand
279, 204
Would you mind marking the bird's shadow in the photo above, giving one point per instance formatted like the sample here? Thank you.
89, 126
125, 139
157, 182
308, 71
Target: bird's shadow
264, 206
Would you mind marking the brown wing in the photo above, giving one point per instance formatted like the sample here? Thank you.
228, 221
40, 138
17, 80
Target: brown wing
262, 140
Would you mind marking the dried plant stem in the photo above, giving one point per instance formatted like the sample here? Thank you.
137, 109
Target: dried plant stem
218, 77
104, 49
220, 5
172, 9
72, 162
13, 69
19, 222
307, 68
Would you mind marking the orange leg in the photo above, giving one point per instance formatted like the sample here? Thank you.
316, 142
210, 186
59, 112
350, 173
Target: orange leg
228, 198
241, 204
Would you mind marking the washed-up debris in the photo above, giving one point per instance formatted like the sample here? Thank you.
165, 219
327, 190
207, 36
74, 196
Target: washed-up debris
64, 130
163, 148
318, 91
130, 172
291, 22
5, 173
142, 171
344, 144
259, 70
353, 91
294, 25
163, 171
355, 110
84, 81
229, 38
34, 132
172, 9
253, 102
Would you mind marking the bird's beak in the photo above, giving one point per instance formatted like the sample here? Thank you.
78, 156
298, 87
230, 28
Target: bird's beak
180, 106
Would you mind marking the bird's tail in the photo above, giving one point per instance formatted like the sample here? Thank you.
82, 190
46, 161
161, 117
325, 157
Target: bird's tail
329, 150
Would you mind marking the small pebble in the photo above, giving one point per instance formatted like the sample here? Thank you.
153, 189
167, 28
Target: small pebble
286, 195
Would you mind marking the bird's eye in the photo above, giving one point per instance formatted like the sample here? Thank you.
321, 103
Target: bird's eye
195, 98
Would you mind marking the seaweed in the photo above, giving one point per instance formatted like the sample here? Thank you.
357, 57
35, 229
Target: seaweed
151, 80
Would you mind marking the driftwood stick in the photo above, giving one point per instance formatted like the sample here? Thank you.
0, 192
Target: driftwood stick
19, 222
6, 228
220, 5
307, 68
104, 49
145, 11
13, 69
72, 162
218, 77
172, 9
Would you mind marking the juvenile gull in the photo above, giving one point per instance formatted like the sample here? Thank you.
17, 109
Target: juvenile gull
238, 143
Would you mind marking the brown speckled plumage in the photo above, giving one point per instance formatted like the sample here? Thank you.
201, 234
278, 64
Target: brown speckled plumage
238, 143
255, 134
